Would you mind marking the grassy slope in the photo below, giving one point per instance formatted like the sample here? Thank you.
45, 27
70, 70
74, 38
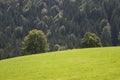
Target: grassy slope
80, 64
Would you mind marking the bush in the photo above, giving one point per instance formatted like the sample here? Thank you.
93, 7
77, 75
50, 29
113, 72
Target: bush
90, 40
35, 42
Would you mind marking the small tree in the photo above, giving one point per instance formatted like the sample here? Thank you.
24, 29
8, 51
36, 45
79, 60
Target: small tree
35, 42
90, 40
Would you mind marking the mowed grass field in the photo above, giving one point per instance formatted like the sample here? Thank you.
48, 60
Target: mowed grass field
77, 64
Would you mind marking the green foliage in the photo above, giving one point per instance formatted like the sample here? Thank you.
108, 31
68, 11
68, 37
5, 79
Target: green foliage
35, 42
106, 36
80, 64
90, 40
63, 21
119, 38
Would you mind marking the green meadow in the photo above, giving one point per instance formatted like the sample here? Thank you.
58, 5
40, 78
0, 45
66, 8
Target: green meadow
76, 64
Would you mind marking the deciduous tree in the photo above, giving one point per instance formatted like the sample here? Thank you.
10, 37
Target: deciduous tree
90, 40
35, 42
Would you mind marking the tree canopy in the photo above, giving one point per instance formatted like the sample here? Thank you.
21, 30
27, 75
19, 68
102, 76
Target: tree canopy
90, 40
64, 22
35, 42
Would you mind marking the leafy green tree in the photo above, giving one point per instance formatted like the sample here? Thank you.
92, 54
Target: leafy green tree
90, 40
35, 42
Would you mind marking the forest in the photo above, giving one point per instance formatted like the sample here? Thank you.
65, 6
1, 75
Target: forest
64, 23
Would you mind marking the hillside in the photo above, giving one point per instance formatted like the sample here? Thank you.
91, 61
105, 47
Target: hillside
63, 21
77, 64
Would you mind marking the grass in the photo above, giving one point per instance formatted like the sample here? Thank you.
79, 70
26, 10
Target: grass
77, 64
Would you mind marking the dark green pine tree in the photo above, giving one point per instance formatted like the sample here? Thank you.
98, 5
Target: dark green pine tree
106, 36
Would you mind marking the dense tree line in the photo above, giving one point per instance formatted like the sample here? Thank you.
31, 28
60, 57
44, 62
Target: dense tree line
64, 22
